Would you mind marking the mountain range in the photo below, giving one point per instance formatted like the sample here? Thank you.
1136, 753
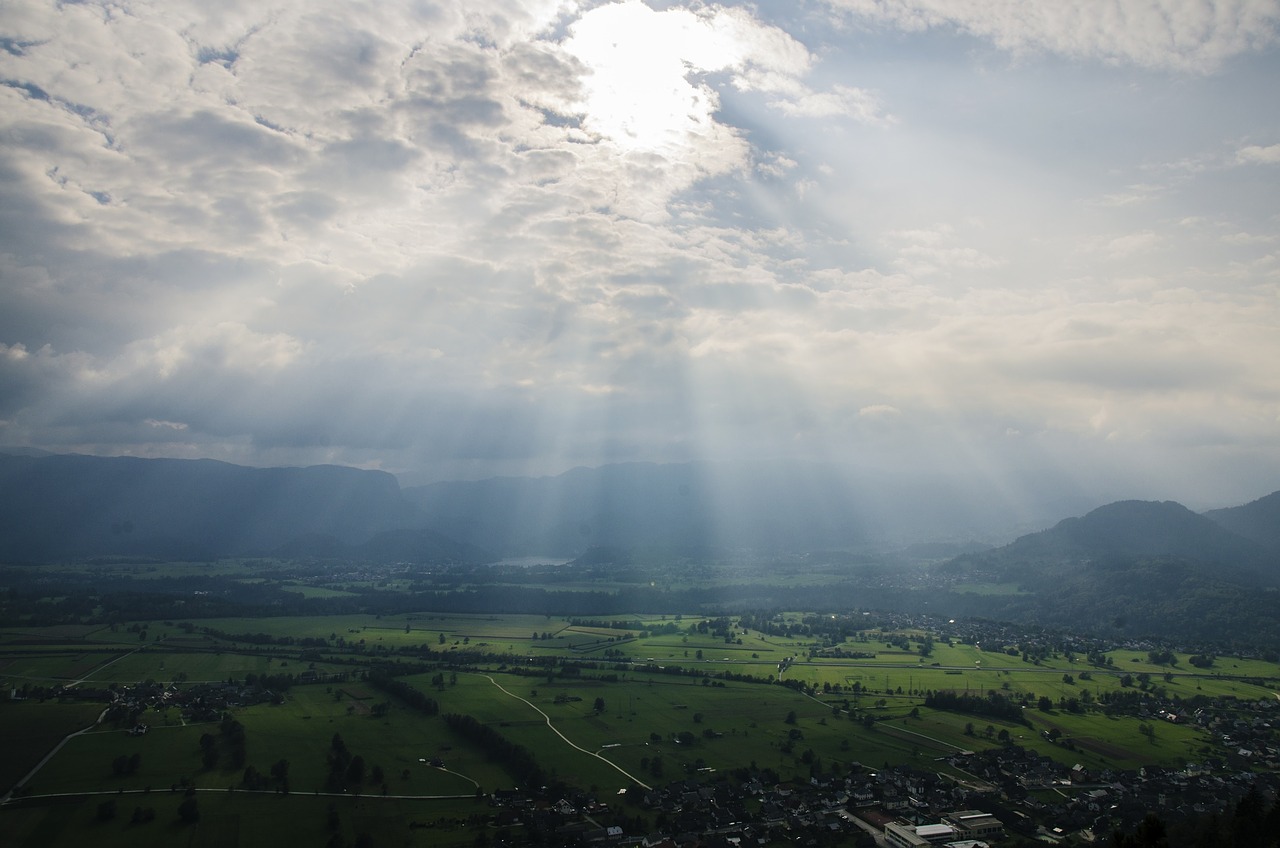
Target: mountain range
1130, 567
61, 507
71, 506
1138, 567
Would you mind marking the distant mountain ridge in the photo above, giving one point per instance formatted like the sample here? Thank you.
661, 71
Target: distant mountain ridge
1127, 530
69, 506
1258, 521
1143, 529
693, 507
1142, 567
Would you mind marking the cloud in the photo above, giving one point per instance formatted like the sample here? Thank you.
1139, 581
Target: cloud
925, 252
775, 165
1196, 36
1248, 238
1256, 155
1123, 247
840, 101
482, 238
1132, 195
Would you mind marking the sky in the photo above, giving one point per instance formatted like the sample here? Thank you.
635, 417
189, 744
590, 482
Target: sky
1005, 239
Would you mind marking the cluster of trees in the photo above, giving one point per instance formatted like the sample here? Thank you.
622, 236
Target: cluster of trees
279, 777
230, 740
1099, 658
991, 704
141, 815
417, 700
347, 770
1253, 822
517, 759
126, 764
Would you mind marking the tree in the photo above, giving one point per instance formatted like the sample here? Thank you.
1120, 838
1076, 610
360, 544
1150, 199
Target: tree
599, 705
280, 771
189, 810
209, 750
791, 717
355, 771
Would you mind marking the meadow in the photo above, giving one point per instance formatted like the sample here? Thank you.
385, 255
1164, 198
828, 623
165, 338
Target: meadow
648, 700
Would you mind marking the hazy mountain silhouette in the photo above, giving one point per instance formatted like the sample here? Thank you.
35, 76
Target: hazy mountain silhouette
1258, 520
707, 506
419, 546
1139, 567
69, 506
1122, 531
66, 506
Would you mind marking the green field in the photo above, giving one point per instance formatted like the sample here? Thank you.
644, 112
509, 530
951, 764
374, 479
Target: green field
508, 672
230, 819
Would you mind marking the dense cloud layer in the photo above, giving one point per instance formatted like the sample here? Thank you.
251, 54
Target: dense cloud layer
460, 239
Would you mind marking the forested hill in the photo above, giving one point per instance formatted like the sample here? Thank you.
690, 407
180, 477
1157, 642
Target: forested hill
1137, 566
1258, 520
1125, 533
69, 506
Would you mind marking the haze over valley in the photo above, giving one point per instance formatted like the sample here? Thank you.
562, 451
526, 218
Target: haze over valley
661, 423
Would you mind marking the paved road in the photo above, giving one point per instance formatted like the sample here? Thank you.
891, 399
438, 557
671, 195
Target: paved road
876, 833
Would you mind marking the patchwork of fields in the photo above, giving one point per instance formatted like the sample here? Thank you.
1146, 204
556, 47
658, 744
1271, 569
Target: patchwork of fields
600, 705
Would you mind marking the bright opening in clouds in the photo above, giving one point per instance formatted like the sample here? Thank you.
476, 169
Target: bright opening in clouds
464, 239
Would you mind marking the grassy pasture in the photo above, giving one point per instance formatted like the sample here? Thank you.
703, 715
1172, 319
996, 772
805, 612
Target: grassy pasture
85, 763
61, 632
1116, 741
162, 665
296, 626
239, 820
50, 668
998, 589
315, 591
301, 729
746, 719
41, 726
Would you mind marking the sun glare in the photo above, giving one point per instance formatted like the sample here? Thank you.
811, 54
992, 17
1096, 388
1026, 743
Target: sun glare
638, 93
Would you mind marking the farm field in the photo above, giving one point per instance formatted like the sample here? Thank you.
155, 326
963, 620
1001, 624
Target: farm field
600, 704
243, 819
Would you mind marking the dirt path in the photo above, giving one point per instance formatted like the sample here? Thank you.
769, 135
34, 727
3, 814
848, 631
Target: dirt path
566, 739
8, 796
